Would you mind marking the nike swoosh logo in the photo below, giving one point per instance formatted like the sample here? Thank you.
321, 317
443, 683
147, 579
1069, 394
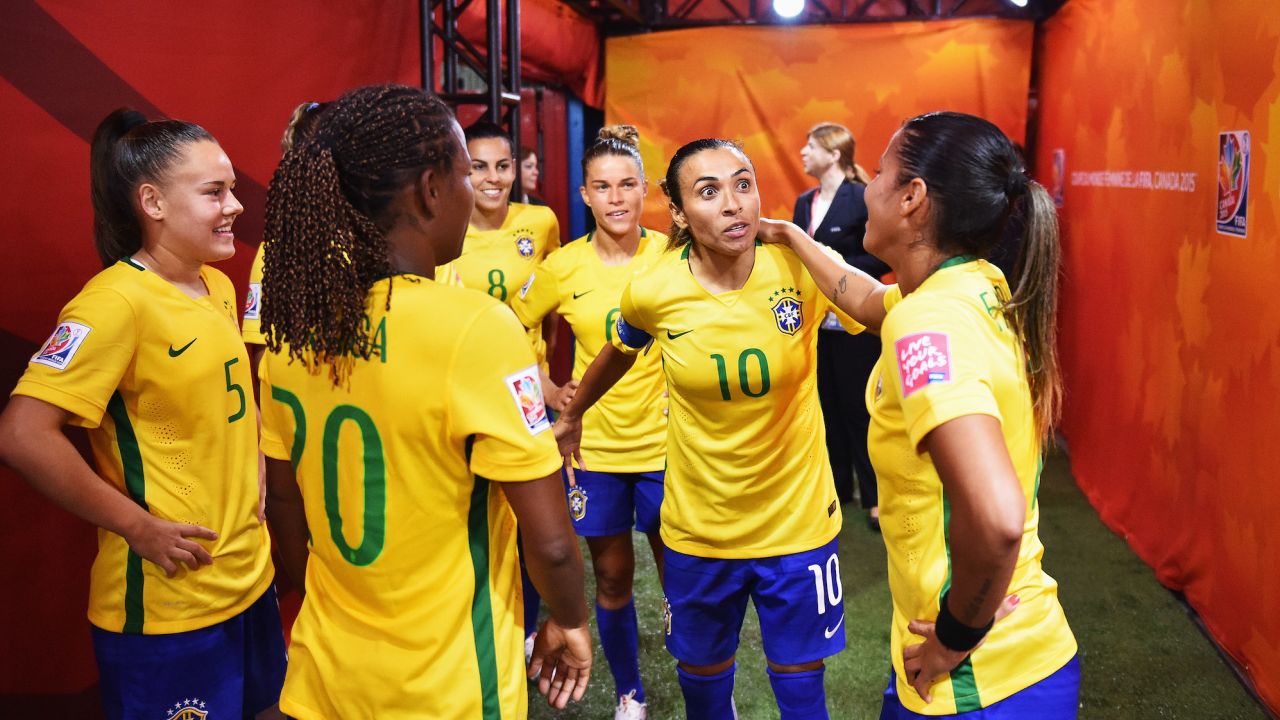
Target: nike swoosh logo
673, 336
179, 351
832, 631
578, 295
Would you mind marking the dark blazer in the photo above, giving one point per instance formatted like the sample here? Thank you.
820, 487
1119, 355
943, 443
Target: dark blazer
843, 227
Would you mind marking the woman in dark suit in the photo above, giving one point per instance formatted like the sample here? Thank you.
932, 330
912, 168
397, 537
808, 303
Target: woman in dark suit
835, 215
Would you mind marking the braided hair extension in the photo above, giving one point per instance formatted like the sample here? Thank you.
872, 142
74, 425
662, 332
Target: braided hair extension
328, 211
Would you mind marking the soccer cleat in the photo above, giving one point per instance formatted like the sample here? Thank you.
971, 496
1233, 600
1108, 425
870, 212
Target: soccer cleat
629, 709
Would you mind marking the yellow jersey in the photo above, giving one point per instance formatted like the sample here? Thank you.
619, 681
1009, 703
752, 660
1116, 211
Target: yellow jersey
413, 605
747, 470
626, 430
161, 380
499, 262
250, 326
949, 352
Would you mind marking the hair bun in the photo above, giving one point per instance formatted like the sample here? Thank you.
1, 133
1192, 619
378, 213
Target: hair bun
626, 134
1016, 184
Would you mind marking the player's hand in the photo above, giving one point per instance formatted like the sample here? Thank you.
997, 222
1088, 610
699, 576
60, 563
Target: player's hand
168, 543
561, 661
923, 663
780, 232
568, 430
560, 395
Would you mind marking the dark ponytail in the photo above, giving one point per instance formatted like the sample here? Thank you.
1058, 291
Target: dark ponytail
1033, 309
977, 185
681, 236
127, 151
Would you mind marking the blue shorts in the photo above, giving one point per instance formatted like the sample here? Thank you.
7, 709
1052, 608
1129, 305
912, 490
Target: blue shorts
608, 503
234, 669
1056, 697
798, 597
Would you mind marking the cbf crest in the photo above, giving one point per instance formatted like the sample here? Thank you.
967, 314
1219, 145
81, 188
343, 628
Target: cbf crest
524, 242
577, 503
188, 709
788, 310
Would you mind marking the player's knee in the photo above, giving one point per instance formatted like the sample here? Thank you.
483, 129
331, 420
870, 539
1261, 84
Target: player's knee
613, 589
802, 667
706, 670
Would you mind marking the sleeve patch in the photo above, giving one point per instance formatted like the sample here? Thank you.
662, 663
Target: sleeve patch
524, 289
526, 389
630, 335
253, 302
62, 345
923, 359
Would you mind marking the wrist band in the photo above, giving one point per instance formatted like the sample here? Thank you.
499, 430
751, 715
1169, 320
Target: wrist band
955, 635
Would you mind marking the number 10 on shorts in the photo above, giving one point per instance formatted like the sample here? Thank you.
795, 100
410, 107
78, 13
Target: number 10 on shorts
827, 583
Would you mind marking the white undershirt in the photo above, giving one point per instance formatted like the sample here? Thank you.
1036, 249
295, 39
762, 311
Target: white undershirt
818, 211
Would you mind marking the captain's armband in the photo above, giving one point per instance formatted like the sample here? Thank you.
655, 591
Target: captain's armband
630, 336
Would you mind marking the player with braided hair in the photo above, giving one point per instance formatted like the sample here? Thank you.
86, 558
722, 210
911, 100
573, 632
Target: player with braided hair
625, 435
405, 423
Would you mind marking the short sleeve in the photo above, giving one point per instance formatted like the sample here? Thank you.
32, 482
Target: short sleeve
631, 334
538, 297
250, 329
280, 410
81, 364
940, 364
892, 296
553, 231
495, 397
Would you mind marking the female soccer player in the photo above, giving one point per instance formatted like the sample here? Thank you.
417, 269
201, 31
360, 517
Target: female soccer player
625, 439
835, 215
962, 404
405, 422
148, 357
750, 510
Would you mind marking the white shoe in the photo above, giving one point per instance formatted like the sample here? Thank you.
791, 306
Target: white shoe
629, 709
528, 648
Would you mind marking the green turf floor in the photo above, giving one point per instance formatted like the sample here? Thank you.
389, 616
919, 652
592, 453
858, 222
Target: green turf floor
1142, 655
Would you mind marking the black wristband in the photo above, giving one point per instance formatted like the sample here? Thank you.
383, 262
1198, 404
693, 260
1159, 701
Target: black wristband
955, 635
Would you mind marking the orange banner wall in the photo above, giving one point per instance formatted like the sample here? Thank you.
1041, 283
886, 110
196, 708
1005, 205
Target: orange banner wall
766, 86
1171, 329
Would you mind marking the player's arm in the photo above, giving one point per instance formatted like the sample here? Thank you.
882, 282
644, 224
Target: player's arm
288, 520
33, 444
987, 515
603, 373
562, 651
858, 294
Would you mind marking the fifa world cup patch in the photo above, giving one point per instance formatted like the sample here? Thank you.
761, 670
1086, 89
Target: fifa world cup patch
62, 345
524, 289
526, 388
187, 709
923, 359
577, 503
253, 301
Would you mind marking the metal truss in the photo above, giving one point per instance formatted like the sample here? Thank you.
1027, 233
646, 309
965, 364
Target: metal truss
497, 68
619, 17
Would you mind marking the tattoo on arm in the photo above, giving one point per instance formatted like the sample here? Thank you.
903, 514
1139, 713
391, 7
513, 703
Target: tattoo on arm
975, 604
841, 287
